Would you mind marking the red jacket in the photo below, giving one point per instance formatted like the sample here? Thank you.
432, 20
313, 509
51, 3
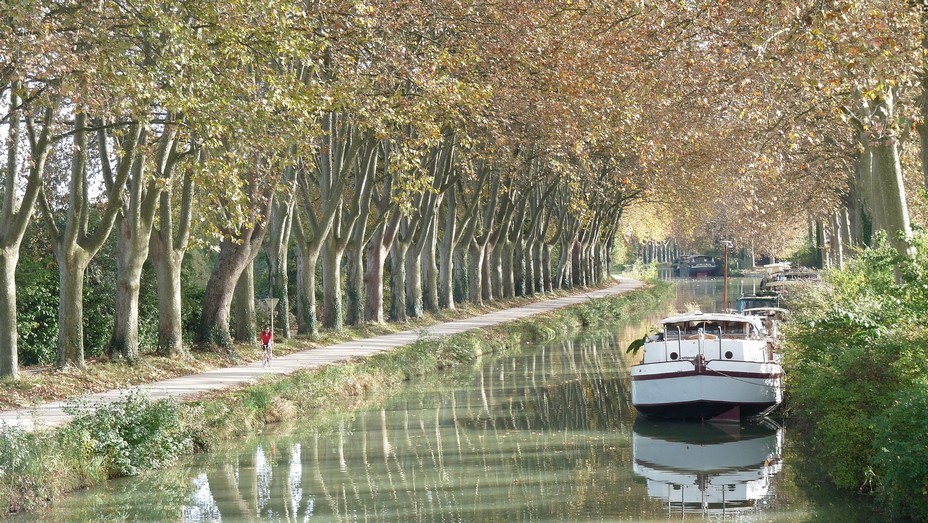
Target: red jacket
266, 337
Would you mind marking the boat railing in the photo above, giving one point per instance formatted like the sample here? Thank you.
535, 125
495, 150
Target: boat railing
720, 342
717, 335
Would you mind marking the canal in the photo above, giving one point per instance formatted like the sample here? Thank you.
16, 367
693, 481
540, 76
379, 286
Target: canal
548, 434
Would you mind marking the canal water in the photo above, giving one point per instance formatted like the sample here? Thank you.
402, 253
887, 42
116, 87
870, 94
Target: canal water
548, 434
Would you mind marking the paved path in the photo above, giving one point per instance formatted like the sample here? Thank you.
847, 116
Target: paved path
52, 414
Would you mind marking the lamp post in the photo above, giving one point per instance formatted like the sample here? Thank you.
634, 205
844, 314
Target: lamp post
727, 244
271, 304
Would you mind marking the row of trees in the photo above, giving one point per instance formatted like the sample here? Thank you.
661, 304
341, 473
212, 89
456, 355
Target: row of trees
408, 131
470, 151
806, 111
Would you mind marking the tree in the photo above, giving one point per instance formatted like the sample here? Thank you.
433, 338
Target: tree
74, 244
17, 211
168, 245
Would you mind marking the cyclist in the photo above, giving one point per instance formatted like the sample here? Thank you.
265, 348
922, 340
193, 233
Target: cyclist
267, 339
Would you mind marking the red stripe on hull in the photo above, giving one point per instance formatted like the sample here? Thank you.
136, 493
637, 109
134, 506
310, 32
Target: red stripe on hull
706, 372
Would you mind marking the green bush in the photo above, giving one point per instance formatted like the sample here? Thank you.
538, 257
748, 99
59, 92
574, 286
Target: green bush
900, 450
130, 436
37, 310
22, 469
855, 361
641, 271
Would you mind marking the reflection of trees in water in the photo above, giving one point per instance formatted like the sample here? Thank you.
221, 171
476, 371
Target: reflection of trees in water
541, 436
534, 437
707, 293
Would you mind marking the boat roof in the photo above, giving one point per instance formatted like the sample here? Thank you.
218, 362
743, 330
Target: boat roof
777, 267
764, 296
765, 310
711, 316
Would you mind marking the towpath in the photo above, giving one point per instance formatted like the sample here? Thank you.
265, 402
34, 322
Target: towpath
52, 414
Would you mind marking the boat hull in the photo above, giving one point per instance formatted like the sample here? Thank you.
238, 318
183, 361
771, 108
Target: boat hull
693, 390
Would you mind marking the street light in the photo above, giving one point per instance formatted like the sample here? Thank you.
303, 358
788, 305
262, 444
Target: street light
271, 304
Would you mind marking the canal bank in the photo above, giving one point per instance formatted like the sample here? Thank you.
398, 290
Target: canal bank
136, 434
856, 363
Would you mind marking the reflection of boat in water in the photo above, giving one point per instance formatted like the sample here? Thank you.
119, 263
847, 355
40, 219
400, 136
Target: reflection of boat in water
704, 366
706, 468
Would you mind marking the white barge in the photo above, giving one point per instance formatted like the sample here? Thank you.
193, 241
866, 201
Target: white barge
708, 366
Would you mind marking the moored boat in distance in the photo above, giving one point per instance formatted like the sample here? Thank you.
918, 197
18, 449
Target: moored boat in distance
697, 266
768, 306
708, 366
779, 282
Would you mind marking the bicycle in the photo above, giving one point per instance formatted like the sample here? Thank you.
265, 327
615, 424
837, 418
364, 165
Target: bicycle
267, 356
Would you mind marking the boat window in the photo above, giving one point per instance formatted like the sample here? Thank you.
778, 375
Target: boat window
727, 329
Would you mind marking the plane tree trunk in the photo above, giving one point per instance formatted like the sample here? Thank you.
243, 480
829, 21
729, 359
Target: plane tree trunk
74, 246
168, 246
354, 284
277, 251
244, 326
15, 213
237, 250
359, 168
134, 228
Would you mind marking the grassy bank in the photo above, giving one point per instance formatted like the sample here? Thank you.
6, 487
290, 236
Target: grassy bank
138, 435
44, 384
857, 378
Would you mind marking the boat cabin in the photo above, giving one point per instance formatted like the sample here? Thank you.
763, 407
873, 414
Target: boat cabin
690, 327
758, 301
710, 336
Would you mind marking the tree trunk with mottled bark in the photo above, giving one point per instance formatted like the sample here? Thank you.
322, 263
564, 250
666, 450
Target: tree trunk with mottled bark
9, 358
72, 265
124, 344
373, 277
475, 272
398, 280
167, 251
244, 320
332, 308
16, 210
234, 257
307, 320
277, 251
413, 282
430, 271
887, 174
74, 245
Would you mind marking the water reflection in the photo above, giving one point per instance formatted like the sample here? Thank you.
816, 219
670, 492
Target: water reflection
707, 293
705, 468
537, 437
545, 435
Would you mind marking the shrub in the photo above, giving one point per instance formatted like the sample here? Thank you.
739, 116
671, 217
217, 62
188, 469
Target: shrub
900, 452
130, 436
37, 310
642, 271
855, 361
21, 479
